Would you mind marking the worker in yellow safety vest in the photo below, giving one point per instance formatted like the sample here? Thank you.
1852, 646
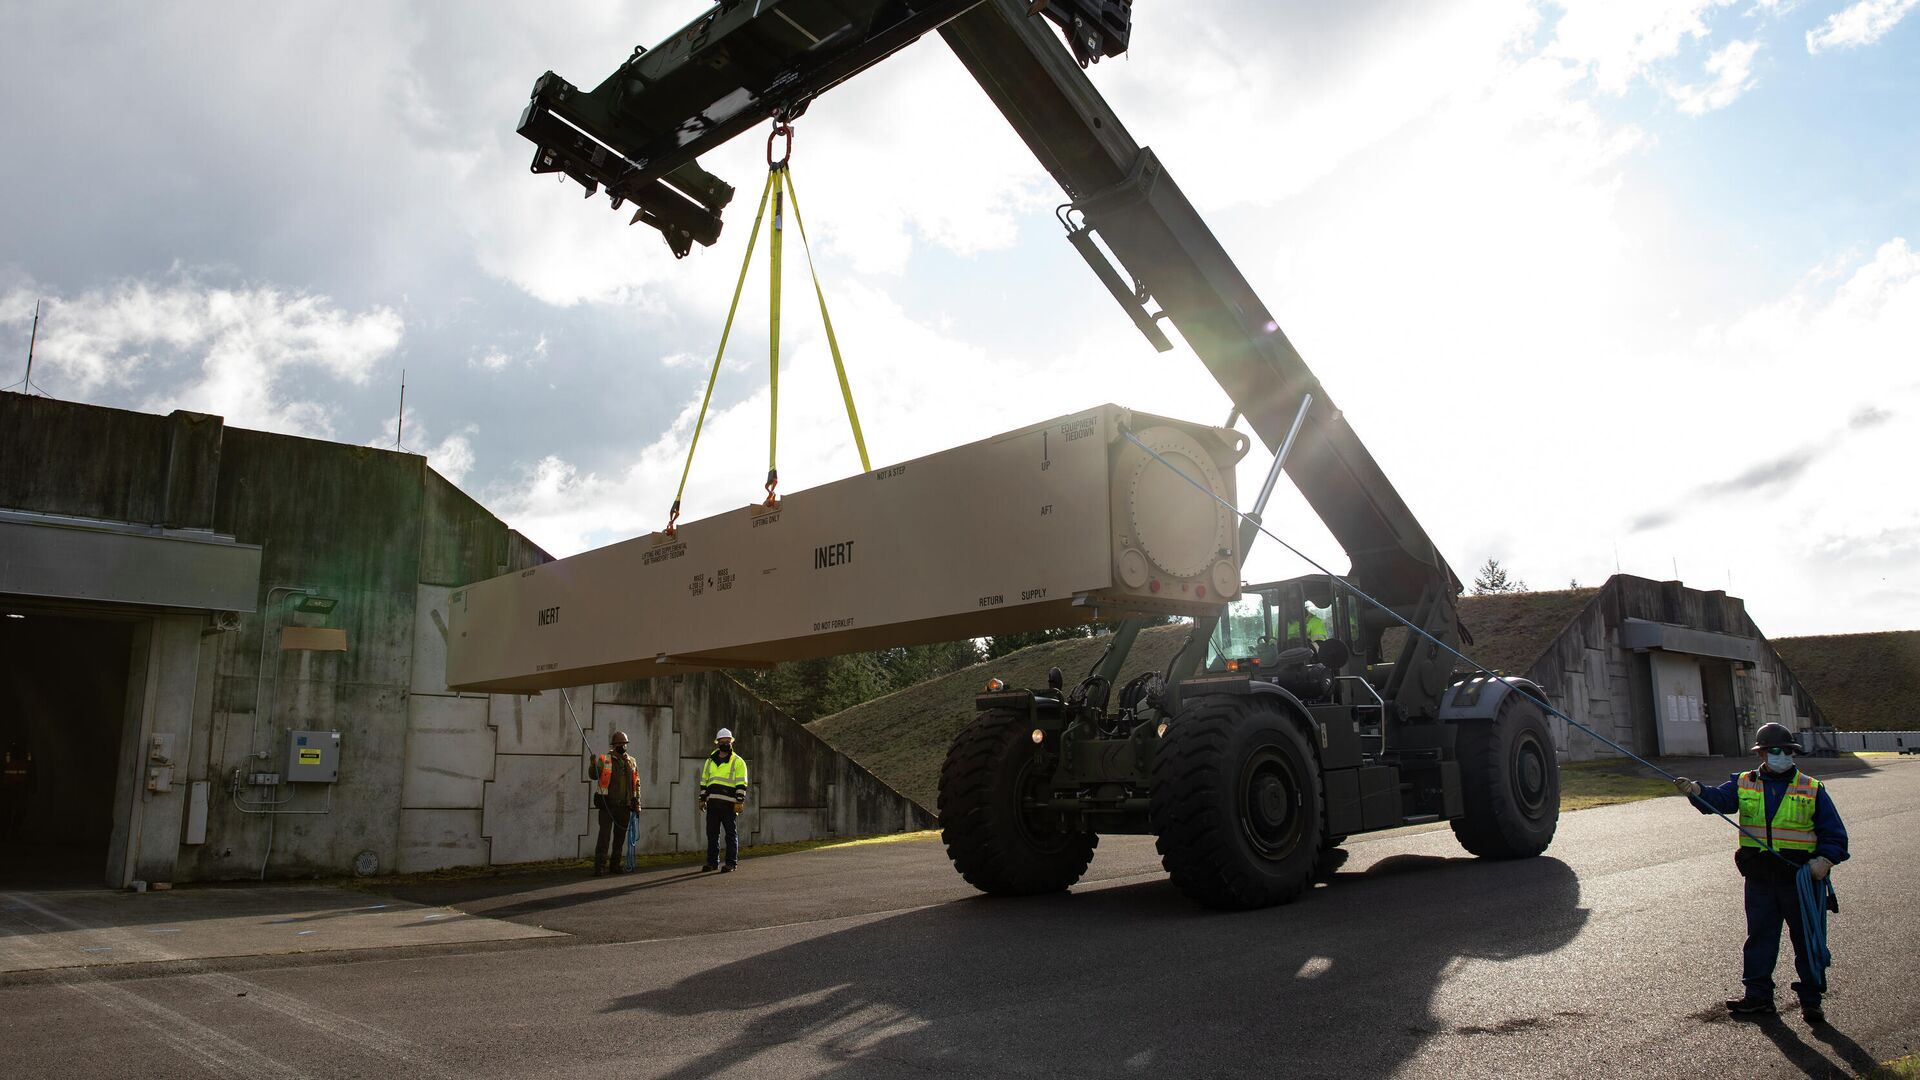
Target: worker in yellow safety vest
1790, 812
616, 795
723, 794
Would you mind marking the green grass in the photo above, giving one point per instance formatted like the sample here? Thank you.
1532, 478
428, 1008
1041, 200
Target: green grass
1587, 784
1862, 682
1900, 1068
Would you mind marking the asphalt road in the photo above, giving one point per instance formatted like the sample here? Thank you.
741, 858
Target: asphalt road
1609, 956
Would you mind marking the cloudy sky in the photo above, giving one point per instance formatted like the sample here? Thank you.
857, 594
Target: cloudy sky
1602, 283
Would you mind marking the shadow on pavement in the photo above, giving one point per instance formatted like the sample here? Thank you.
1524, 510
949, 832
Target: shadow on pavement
1855, 1061
560, 901
1136, 979
1856, 1056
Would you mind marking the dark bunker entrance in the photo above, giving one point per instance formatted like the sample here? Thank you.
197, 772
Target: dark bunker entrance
63, 706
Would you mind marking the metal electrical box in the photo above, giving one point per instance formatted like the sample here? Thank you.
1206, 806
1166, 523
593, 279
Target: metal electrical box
313, 756
1049, 525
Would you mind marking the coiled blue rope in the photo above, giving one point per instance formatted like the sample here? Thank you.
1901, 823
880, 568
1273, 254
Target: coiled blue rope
1813, 893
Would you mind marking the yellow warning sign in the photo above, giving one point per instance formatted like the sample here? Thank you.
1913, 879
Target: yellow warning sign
309, 757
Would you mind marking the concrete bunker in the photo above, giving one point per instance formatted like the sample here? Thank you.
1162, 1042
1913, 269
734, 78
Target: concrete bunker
193, 600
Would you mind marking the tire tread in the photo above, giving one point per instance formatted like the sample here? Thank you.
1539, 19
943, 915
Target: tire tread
981, 837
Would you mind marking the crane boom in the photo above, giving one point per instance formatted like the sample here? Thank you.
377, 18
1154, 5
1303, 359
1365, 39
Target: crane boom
1135, 205
637, 134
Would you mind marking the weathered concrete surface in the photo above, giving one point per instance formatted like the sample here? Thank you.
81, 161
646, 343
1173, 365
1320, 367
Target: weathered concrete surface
58, 458
427, 778
440, 839
1607, 957
90, 928
449, 753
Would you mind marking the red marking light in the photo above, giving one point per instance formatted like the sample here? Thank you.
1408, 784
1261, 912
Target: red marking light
1154, 585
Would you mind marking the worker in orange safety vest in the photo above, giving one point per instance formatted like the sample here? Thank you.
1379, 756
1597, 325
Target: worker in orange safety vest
617, 796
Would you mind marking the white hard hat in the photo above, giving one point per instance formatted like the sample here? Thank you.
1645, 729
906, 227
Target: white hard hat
725, 733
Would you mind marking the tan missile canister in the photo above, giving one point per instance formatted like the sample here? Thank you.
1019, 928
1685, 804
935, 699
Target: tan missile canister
1055, 524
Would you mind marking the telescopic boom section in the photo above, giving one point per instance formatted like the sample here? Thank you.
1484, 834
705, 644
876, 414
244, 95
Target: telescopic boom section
637, 134
1129, 198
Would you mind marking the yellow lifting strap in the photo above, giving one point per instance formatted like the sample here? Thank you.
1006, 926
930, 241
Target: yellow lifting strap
713, 376
779, 181
833, 343
773, 334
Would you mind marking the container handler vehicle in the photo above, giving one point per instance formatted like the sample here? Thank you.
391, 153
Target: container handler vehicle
1302, 715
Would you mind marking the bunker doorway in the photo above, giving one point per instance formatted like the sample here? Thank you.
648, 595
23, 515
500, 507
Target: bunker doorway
1723, 716
63, 706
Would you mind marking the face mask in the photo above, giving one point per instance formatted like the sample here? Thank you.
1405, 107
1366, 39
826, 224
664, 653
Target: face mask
1779, 762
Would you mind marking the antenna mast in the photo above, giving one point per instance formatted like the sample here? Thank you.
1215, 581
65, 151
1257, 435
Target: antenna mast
26, 384
400, 422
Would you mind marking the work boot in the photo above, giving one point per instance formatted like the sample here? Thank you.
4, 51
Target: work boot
599, 870
1750, 1006
708, 869
727, 869
1812, 1013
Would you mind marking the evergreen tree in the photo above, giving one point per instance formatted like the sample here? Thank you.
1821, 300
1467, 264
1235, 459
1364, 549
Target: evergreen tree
1493, 578
809, 689
1000, 645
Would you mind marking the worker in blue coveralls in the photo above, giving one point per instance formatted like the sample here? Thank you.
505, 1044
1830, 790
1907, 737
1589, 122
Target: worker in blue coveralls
1784, 808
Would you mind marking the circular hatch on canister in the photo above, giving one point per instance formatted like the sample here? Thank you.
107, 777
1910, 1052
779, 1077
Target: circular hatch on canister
1181, 528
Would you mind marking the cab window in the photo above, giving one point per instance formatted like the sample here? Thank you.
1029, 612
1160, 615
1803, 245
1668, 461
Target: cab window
1246, 629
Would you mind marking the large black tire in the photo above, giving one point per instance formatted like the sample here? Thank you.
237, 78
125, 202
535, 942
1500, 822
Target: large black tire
1510, 781
1236, 803
997, 847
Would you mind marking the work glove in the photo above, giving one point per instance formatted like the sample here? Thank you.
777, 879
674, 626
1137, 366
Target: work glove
1685, 786
1821, 867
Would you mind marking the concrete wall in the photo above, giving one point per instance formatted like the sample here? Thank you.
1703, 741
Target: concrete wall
500, 779
1589, 675
428, 778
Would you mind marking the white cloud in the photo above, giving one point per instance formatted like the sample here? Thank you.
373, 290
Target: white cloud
1731, 69
499, 356
1862, 23
233, 352
452, 457
1822, 374
1625, 40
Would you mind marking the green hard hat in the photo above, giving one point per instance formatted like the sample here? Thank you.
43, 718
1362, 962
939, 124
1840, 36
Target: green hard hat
1774, 735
